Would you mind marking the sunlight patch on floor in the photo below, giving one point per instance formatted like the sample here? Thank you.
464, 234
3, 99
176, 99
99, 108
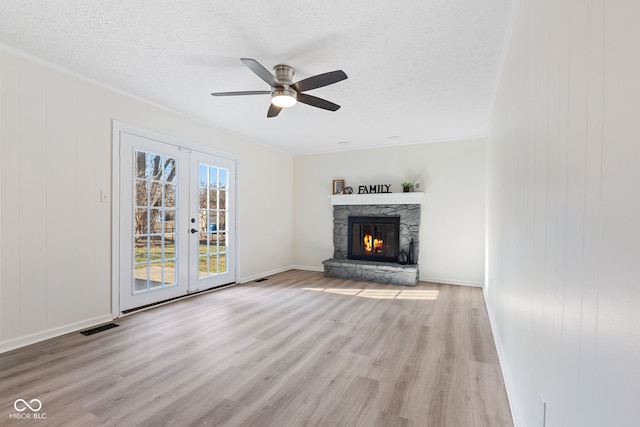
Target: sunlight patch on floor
405, 294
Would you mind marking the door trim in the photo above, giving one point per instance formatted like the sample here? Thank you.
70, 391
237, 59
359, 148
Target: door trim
119, 127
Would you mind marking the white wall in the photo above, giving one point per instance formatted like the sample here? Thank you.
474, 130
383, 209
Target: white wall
564, 213
55, 236
452, 223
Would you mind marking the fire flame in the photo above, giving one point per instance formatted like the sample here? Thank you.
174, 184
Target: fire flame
372, 244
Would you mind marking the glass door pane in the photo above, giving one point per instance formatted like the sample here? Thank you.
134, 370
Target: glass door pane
154, 237
212, 214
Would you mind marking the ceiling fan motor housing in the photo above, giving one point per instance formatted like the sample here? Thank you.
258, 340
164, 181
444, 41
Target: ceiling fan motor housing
284, 74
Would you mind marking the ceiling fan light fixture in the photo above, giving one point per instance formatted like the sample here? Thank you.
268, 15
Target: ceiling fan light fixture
284, 97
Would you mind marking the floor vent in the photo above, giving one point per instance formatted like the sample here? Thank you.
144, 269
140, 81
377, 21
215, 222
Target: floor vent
99, 329
260, 280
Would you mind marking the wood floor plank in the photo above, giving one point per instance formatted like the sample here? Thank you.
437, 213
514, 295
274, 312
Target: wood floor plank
296, 350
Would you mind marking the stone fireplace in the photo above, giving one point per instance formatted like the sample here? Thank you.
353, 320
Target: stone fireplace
369, 231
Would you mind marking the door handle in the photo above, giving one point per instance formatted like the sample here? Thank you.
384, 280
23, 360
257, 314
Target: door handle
193, 231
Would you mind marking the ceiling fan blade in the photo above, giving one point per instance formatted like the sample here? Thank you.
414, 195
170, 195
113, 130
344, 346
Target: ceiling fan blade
245, 92
314, 101
261, 72
274, 110
320, 80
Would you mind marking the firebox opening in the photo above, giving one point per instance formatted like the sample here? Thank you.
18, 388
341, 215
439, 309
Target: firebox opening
374, 238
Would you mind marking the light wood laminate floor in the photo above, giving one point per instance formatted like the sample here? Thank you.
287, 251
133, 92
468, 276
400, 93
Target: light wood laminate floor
296, 350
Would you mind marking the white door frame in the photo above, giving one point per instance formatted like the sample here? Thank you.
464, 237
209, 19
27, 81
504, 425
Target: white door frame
121, 127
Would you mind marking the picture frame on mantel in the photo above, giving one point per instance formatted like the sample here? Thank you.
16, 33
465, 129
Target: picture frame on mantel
338, 186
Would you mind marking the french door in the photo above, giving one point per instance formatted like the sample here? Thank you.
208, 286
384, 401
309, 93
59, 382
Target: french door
176, 221
212, 225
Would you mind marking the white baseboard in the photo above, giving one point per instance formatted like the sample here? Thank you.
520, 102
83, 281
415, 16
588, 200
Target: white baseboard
445, 281
263, 274
26, 340
422, 279
504, 367
451, 281
306, 268
279, 270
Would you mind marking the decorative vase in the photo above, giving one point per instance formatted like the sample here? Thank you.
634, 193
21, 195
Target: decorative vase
418, 185
405, 189
412, 253
402, 257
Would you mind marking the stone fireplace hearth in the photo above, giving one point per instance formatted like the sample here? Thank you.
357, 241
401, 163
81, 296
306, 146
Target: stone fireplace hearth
406, 207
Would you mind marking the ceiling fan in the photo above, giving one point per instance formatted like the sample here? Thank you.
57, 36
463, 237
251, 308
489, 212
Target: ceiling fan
284, 93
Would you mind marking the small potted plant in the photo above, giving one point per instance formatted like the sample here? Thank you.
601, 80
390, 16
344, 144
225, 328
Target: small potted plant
406, 186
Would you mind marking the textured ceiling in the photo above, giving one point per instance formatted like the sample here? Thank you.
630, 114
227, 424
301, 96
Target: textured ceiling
419, 70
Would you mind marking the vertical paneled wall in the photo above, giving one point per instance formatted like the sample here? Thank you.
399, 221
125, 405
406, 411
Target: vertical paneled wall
563, 161
55, 235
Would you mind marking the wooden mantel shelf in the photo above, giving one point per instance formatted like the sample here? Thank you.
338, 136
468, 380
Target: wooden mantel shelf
377, 199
